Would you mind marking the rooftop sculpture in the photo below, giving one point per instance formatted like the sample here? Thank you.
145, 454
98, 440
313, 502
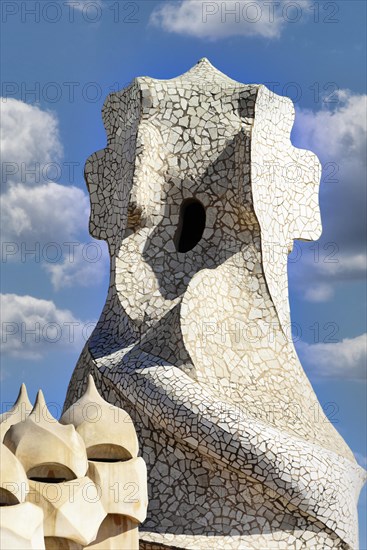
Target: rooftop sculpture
200, 194
73, 484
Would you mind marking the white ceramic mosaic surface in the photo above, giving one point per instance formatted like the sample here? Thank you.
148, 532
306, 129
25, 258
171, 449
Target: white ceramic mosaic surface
199, 194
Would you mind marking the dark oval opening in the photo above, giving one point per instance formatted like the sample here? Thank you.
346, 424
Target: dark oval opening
50, 473
191, 225
7, 498
60, 543
108, 452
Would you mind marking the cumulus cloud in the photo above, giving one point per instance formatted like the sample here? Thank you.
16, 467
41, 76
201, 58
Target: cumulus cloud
318, 276
215, 20
337, 134
85, 264
47, 212
29, 136
44, 222
344, 359
344, 268
48, 224
32, 327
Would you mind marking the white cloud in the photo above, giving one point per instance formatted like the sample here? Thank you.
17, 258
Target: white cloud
338, 132
345, 267
319, 293
338, 135
82, 5
28, 136
317, 281
86, 265
48, 224
45, 217
344, 359
32, 327
221, 19
46, 213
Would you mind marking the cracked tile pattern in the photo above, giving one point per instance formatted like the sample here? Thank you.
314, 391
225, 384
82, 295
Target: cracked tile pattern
200, 194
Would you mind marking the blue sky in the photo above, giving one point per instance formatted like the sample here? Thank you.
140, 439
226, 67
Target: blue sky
59, 62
